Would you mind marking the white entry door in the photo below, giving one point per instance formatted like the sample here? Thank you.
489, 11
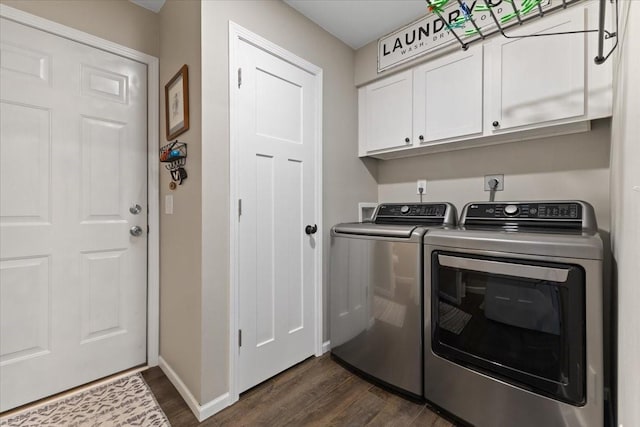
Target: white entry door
73, 163
277, 119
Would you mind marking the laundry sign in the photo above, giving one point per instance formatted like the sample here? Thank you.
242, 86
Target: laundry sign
447, 19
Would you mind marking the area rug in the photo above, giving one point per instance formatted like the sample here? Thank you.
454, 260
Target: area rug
127, 401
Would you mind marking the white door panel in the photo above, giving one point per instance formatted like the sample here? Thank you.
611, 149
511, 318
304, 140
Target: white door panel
73, 160
447, 98
538, 80
386, 112
277, 104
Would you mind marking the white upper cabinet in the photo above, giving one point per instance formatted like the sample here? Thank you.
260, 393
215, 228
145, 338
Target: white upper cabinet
501, 90
385, 114
447, 97
537, 80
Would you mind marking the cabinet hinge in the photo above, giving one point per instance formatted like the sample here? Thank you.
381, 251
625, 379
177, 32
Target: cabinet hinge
239, 77
239, 337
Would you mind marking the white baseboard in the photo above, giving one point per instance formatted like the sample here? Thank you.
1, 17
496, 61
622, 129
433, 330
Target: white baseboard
326, 346
202, 412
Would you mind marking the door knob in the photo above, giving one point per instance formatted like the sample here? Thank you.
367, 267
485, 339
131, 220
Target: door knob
135, 209
311, 229
135, 231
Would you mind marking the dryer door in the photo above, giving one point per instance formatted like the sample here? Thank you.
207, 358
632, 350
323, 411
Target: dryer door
520, 321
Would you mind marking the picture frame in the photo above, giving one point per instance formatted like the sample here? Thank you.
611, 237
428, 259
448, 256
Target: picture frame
176, 96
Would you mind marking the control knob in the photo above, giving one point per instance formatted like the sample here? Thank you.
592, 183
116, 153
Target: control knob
404, 210
511, 210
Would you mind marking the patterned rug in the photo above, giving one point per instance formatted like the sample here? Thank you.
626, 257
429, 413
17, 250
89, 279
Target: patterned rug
124, 402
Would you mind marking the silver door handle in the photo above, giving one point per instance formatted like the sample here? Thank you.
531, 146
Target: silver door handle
557, 275
135, 231
135, 209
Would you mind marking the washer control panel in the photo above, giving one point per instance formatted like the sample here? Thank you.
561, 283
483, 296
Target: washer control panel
418, 213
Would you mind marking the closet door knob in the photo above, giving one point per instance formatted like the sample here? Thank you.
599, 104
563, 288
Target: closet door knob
407, 140
496, 124
421, 137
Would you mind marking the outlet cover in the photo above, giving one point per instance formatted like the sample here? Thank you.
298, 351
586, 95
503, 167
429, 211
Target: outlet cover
421, 183
488, 178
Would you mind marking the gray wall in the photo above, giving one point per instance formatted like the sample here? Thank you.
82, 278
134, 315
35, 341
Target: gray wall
118, 21
347, 179
181, 233
565, 167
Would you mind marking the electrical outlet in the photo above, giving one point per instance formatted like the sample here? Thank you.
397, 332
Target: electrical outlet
487, 182
421, 183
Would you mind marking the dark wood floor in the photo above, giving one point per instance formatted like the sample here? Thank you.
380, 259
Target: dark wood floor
317, 392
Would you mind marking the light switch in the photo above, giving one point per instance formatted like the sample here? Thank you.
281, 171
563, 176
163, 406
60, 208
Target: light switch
168, 204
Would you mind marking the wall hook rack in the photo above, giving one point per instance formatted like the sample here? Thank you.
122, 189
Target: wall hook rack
527, 10
174, 155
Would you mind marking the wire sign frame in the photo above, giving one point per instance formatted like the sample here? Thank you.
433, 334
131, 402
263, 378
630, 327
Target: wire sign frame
462, 22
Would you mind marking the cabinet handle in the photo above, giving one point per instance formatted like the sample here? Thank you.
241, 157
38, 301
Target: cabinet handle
421, 137
407, 140
496, 124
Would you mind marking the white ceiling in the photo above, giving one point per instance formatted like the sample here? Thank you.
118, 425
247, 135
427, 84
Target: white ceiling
358, 22
355, 22
154, 5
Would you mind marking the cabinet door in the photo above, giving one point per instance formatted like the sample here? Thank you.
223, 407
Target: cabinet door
385, 113
537, 80
447, 97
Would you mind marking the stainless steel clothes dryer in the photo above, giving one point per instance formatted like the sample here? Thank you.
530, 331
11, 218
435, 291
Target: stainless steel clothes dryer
376, 293
513, 319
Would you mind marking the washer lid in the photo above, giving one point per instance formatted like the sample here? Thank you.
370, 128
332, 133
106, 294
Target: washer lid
380, 230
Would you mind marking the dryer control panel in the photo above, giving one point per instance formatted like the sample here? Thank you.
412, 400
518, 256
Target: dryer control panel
415, 213
565, 214
553, 211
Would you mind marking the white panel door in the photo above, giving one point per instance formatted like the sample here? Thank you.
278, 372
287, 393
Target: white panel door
73, 161
276, 183
447, 97
537, 80
385, 113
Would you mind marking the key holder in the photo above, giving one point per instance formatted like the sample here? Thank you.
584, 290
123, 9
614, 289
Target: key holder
175, 157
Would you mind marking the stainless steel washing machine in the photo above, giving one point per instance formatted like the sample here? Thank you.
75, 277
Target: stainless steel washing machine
376, 293
513, 318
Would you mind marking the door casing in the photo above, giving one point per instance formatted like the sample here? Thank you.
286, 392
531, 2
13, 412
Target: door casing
237, 34
153, 136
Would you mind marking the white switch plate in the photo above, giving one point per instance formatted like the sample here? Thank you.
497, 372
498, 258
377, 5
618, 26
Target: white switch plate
421, 183
168, 204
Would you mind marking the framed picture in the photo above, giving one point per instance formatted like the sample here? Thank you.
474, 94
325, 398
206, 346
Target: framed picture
176, 96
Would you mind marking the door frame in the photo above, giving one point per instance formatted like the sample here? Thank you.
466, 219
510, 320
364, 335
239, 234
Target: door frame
236, 35
153, 168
